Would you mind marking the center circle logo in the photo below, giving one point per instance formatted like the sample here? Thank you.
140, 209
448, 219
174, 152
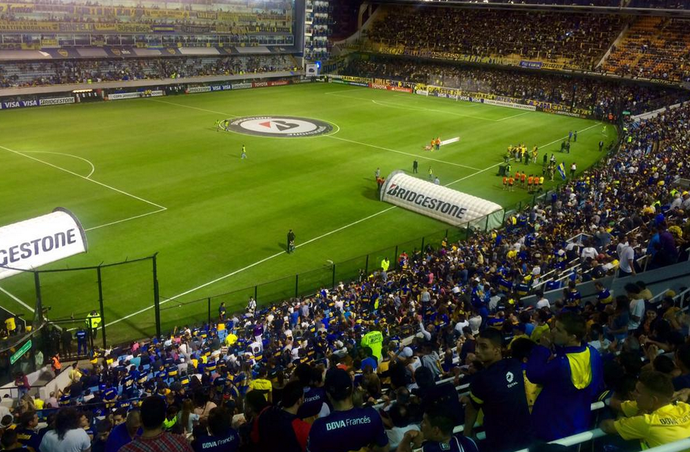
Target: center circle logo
279, 126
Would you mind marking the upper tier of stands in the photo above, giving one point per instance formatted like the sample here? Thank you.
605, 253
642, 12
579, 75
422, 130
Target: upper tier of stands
653, 48
579, 40
35, 24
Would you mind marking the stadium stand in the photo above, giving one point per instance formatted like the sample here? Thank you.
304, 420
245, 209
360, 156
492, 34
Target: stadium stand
361, 365
576, 40
596, 96
24, 74
653, 48
444, 296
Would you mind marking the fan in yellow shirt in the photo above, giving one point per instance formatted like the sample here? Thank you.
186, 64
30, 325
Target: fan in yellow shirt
652, 418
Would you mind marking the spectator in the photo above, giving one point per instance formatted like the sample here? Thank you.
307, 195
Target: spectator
279, 428
153, 438
124, 433
573, 377
652, 417
220, 436
499, 391
68, 436
9, 442
437, 434
26, 431
346, 428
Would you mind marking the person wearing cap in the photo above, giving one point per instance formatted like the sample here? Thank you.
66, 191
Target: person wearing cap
499, 391
346, 428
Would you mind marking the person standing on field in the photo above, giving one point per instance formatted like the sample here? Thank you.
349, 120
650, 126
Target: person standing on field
244, 152
415, 166
290, 241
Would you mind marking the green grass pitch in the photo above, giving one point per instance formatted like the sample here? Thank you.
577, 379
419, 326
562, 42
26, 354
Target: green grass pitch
153, 175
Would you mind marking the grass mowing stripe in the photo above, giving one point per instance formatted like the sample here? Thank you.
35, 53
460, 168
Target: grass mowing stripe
85, 178
402, 152
26, 306
273, 256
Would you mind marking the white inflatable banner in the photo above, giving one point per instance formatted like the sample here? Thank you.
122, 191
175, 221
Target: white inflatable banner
439, 202
39, 241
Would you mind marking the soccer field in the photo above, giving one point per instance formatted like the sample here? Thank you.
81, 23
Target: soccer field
154, 175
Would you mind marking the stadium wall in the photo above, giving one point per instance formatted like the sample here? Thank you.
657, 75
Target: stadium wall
97, 92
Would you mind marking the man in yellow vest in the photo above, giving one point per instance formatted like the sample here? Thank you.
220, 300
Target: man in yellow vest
93, 321
385, 264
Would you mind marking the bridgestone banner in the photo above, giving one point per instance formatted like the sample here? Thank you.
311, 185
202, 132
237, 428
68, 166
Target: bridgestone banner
29, 244
439, 202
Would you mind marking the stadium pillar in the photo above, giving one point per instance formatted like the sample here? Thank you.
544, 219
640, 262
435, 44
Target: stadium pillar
486, 228
100, 303
156, 297
297, 285
256, 293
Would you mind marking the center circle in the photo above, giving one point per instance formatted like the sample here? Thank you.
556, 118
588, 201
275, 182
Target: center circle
279, 126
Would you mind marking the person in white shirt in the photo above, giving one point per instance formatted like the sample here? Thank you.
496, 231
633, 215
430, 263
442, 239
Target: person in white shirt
588, 251
68, 436
542, 302
636, 306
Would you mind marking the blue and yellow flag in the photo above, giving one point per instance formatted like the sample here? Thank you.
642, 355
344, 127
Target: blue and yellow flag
561, 170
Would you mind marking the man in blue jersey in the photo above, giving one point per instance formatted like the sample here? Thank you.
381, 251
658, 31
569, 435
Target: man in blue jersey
222, 438
436, 434
347, 428
499, 391
571, 379
124, 433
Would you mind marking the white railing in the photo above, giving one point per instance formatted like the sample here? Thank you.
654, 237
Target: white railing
676, 446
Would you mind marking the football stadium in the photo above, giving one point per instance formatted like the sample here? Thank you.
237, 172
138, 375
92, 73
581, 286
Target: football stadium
344, 225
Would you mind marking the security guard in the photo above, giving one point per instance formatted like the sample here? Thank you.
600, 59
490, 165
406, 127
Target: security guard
93, 321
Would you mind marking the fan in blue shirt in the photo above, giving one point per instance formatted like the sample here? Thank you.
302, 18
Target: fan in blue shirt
436, 434
347, 428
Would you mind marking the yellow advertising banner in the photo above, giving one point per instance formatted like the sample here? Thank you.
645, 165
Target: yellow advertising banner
26, 25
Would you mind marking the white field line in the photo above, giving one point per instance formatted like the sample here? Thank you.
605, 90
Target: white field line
540, 147
273, 256
401, 152
193, 108
17, 300
514, 116
445, 112
93, 168
125, 219
85, 178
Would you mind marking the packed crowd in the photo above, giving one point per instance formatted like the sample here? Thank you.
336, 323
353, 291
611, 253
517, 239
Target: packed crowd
595, 95
579, 38
653, 48
331, 372
87, 71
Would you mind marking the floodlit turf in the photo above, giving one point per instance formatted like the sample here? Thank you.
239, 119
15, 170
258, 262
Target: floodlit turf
210, 214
